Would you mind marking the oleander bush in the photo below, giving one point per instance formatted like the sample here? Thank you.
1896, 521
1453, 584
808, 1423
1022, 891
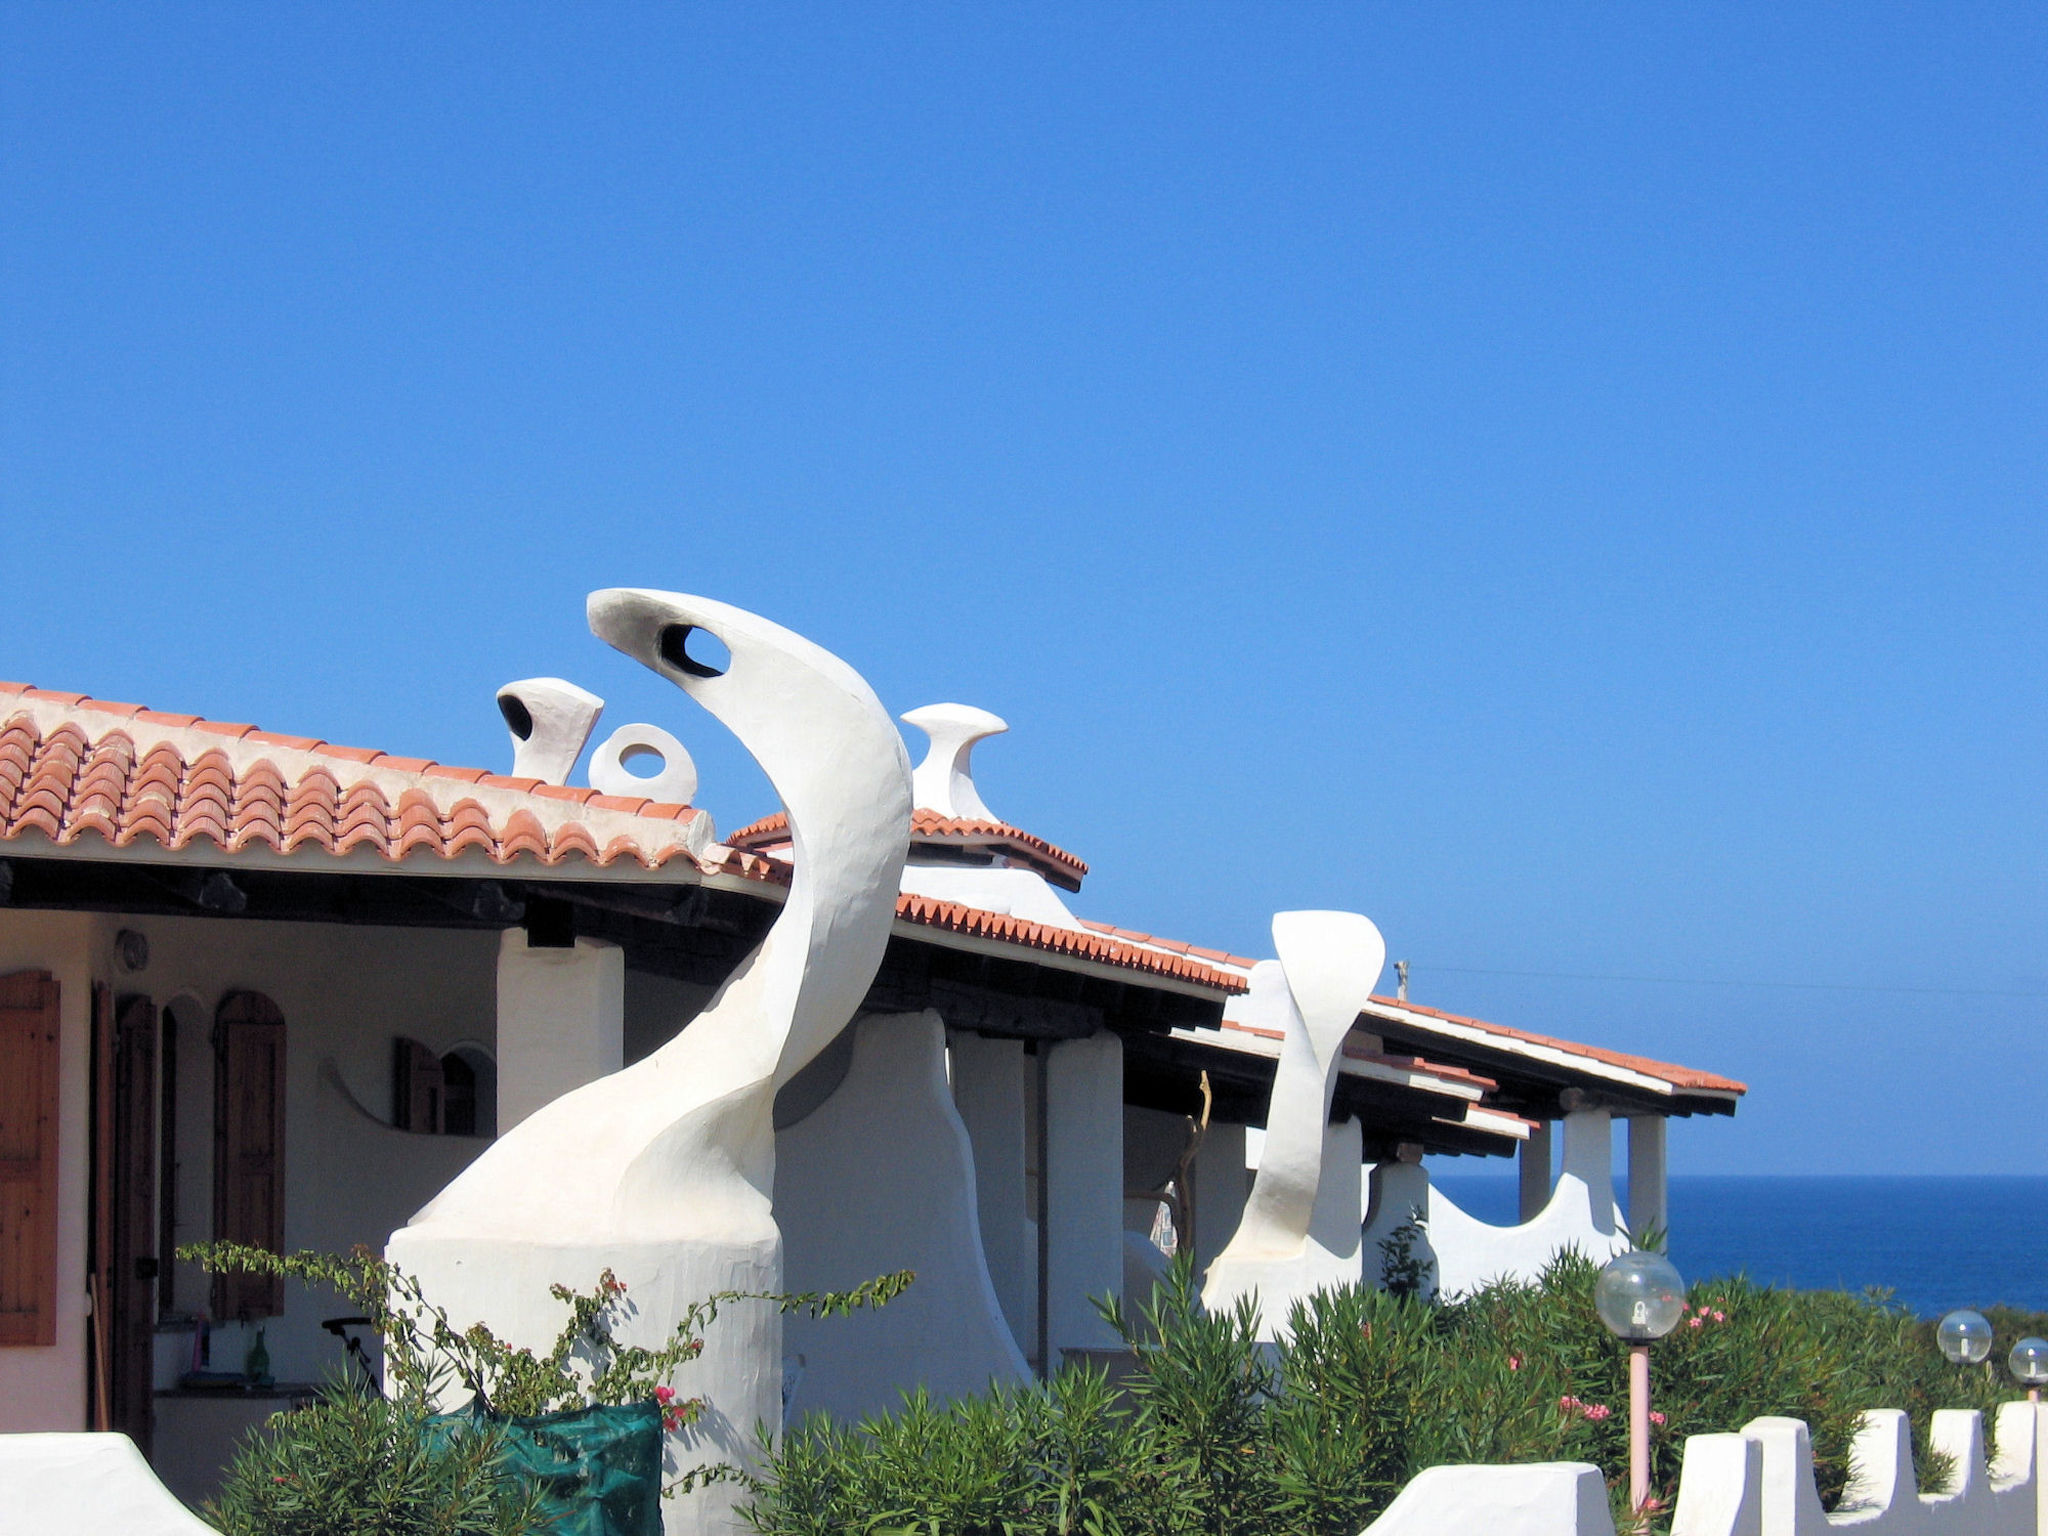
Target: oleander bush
1213, 1433
355, 1462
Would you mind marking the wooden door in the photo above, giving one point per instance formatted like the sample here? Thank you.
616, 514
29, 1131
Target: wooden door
29, 1022
125, 1259
248, 1148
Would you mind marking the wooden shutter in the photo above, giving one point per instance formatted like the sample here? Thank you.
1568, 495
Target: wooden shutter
28, 1158
248, 1147
417, 1087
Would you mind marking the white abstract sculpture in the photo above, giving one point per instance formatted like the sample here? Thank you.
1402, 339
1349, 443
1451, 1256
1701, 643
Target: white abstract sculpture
550, 720
674, 783
665, 1171
944, 782
1328, 964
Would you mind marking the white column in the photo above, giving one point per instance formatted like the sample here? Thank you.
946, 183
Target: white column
1221, 1184
988, 1090
1084, 1165
561, 1021
1646, 1174
1536, 1172
1589, 1158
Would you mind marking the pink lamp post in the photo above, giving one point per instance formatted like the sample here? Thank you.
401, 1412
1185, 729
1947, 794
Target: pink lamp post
1640, 1298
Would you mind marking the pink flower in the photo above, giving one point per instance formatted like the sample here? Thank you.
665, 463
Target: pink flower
1598, 1411
1569, 1405
1720, 1317
664, 1395
1514, 1362
1692, 1322
1656, 1417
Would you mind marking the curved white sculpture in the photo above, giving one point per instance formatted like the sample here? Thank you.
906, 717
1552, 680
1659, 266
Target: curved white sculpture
1328, 964
944, 782
673, 784
550, 719
665, 1171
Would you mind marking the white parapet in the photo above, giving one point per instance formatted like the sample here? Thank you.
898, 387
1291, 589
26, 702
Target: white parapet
1468, 1252
1553, 1498
1760, 1483
86, 1485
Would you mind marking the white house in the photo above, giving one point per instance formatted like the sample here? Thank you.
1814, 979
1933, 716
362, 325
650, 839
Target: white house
264, 987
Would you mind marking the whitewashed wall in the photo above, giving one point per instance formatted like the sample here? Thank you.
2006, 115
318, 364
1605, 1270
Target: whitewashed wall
1760, 1483
1469, 1252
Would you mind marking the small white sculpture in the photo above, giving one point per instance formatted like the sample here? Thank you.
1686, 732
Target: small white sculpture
550, 720
665, 1171
944, 782
1328, 964
674, 784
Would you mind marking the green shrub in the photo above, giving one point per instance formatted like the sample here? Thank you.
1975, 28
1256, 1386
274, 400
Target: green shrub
353, 1461
1212, 1432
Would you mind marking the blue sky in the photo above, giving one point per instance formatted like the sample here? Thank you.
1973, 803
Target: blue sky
1567, 482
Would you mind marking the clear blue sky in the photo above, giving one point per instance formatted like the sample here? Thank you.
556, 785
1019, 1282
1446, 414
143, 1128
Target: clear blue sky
1567, 482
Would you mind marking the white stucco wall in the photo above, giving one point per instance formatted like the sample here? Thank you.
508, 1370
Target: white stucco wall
879, 1178
345, 992
42, 1387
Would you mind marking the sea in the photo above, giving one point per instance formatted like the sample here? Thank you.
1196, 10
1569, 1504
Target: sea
1934, 1243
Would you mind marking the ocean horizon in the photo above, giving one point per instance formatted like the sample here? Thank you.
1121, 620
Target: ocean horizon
1936, 1242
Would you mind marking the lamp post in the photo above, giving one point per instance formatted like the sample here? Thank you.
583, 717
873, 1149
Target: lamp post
2028, 1363
1640, 1298
1964, 1337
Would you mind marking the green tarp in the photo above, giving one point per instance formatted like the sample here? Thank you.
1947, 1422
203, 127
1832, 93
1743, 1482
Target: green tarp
599, 1468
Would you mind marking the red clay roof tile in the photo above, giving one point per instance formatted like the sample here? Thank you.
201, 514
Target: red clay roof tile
81, 776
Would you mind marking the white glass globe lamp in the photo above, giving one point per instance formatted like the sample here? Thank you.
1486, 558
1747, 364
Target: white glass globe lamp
1639, 1296
1964, 1337
2028, 1362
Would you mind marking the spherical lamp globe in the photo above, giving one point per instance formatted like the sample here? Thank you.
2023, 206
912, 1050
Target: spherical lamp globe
1639, 1296
2028, 1362
1965, 1337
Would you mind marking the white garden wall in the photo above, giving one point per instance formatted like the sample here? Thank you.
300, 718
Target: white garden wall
1760, 1483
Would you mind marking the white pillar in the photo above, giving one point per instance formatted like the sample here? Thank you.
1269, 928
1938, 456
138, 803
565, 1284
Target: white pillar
561, 1021
1084, 1167
1589, 1158
1535, 1172
1646, 1174
1220, 1187
988, 1090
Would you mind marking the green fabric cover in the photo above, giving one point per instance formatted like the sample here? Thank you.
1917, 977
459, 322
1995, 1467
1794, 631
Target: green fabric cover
599, 1468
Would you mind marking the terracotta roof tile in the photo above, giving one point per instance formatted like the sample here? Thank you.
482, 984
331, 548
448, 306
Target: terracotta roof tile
930, 827
950, 915
74, 769
1132, 936
1682, 1078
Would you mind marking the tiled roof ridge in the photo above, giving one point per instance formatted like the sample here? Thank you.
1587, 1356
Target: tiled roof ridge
930, 824
1175, 946
1671, 1072
71, 764
933, 912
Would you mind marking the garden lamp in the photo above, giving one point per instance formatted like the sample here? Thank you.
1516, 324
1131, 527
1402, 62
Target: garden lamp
2028, 1363
1640, 1298
1964, 1337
